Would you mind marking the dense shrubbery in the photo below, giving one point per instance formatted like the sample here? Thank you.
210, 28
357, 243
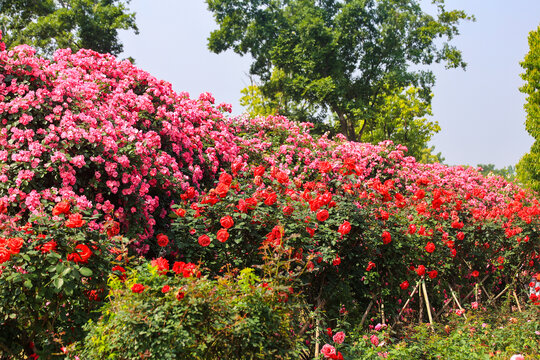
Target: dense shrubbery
107, 162
480, 335
157, 313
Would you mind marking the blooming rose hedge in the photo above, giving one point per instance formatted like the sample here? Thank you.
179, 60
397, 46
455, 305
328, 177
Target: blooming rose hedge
97, 155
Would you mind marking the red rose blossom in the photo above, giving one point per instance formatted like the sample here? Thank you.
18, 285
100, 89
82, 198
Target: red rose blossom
344, 228
48, 247
4, 254
75, 221
137, 288
404, 285
204, 240
122, 271
282, 178
225, 179
15, 244
61, 208
430, 247
161, 264
186, 269
421, 270
227, 222
432, 274
288, 210
180, 212
222, 235
258, 171
82, 254
324, 167
386, 237
162, 240
222, 189
322, 215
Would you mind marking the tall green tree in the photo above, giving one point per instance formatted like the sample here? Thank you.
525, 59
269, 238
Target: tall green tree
528, 168
51, 24
342, 56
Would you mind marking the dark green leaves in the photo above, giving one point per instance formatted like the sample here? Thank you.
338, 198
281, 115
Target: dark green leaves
338, 61
76, 24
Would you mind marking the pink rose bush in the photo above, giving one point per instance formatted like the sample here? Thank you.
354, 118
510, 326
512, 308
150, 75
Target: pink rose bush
103, 135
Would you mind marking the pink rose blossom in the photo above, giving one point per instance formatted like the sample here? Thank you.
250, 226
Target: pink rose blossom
339, 337
328, 350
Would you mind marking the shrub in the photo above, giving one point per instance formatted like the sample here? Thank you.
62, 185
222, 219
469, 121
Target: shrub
154, 314
484, 334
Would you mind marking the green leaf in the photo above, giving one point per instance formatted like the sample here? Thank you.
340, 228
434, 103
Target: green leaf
58, 283
28, 284
85, 271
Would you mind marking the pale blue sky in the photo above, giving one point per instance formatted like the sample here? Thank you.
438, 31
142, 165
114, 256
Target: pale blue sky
480, 110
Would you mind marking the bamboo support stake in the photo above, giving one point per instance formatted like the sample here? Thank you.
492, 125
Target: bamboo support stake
366, 313
428, 307
408, 301
517, 301
421, 307
443, 307
469, 294
486, 292
502, 292
382, 312
457, 302
476, 292
317, 338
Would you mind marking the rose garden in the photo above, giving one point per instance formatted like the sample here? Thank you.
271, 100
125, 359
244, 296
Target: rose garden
137, 223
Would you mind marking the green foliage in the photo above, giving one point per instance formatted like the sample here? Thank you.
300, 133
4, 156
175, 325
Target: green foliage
76, 24
402, 119
256, 103
508, 172
348, 58
482, 335
528, 168
229, 317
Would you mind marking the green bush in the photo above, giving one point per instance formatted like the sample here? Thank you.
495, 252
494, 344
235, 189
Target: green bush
155, 315
484, 334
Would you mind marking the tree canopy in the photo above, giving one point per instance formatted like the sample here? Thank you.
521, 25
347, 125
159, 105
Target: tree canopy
76, 24
528, 168
346, 57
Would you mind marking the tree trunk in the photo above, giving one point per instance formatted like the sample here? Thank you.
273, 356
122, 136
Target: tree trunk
346, 124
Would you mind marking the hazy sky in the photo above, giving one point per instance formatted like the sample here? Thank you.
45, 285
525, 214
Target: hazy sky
480, 110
